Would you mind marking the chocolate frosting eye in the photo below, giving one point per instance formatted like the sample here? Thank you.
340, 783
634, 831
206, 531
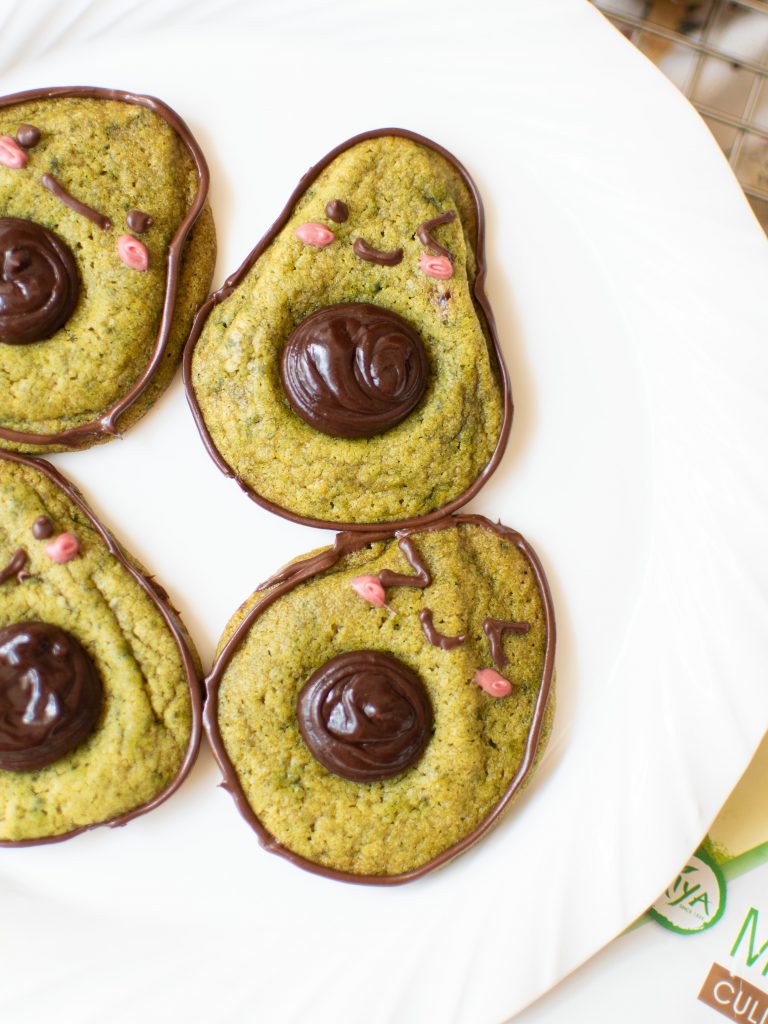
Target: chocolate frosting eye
39, 286
139, 221
50, 695
337, 211
365, 716
354, 370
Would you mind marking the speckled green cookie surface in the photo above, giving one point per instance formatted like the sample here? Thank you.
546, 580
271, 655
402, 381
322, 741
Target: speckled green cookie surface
146, 736
482, 748
390, 186
115, 157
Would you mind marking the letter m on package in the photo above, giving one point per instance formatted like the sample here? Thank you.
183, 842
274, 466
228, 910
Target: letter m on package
748, 931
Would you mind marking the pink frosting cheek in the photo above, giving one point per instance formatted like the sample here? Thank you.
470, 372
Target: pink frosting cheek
493, 683
436, 266
312, 233
132, 252
63, 548
370, 589
11, 153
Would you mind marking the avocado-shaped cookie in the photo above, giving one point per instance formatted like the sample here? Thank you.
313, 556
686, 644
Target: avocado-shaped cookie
349, 373
376, 706
107, 248
100, 701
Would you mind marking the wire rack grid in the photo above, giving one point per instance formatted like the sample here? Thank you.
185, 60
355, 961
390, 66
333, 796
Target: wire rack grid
716, 52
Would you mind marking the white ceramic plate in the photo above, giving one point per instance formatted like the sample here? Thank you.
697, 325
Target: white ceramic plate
627, 277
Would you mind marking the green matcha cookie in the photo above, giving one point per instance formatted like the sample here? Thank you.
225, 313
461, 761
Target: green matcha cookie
376, 706
349, 372
100, 704
107, 249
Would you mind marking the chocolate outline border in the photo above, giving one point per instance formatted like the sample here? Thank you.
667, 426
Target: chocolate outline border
298, 572
481, 304
172, 620
106, 424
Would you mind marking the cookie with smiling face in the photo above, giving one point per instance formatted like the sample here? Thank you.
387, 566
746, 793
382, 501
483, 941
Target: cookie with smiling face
106, 250
349, 372
377, 706
100, 708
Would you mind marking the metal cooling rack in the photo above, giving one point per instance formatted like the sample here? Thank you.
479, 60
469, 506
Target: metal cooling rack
716, 52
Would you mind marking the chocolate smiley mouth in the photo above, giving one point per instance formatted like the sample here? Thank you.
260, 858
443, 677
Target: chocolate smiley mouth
354, 370
384, 257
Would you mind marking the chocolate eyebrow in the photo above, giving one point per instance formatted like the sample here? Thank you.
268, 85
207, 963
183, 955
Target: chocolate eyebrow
367, 252
423, 577
57, 189
424, 233
495, 630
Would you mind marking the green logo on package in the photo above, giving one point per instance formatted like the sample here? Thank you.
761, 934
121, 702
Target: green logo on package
695, 900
